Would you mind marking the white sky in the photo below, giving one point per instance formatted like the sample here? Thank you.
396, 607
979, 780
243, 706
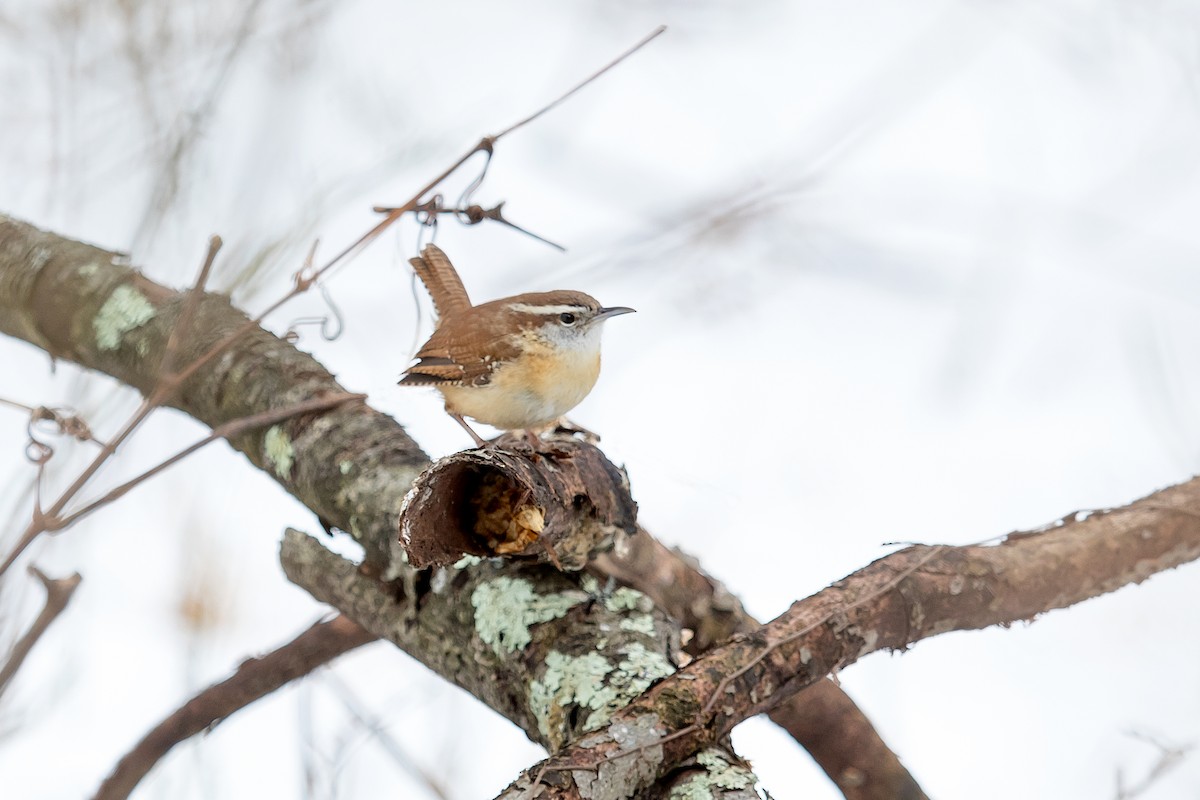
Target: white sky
904, 272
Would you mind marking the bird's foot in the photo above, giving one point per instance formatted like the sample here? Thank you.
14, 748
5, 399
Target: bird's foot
565, 425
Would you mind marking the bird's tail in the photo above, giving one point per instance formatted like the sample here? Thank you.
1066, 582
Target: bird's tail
441, 280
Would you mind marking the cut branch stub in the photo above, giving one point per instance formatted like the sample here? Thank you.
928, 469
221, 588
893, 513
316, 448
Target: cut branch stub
564, 503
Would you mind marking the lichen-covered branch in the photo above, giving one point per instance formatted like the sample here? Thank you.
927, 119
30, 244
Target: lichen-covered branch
852, 754
484, 627
898, 600
254, 679
553, 652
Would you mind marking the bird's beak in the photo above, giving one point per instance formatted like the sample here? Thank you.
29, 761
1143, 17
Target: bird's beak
615, 311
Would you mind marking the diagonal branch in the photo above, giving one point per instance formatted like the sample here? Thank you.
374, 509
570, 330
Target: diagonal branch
850, 750
910, 595
254, 679
58, 594
232, 428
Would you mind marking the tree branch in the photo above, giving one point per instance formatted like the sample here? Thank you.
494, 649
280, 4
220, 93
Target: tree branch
58, 594
549, 651
254, 679
918, 592
851, 752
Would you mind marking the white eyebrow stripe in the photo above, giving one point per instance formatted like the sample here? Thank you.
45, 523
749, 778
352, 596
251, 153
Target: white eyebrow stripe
524, 308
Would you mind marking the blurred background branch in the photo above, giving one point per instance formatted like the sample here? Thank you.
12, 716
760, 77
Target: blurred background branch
58, 594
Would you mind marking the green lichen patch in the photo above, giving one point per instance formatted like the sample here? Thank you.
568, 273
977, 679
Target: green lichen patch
696, 787
126, 309
278, 449
723, 772
506, 608
626, 599
719, 774
593, 683
638, 623
568, 681
638, 668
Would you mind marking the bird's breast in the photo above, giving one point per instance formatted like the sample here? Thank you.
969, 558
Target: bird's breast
530, 391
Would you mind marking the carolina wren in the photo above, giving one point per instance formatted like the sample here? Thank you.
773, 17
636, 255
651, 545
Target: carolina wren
518, 363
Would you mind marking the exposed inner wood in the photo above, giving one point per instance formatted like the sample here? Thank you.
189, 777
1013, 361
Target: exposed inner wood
564, 503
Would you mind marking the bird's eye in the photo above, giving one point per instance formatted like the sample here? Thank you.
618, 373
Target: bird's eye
567, 318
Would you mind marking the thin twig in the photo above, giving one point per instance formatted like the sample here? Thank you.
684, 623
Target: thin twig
231, 428
183, 322
65, 420
1168, 759
645, 41
473, 214
58, 594
38, 524
4, 401
164, 387
52, 520
169, 176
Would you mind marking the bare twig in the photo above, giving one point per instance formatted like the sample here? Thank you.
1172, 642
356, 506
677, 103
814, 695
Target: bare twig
58, 594
231, 428
168, 179
183, 322
254, 679
4, 401
645, 41
165, 386
63, 421
52, 520
1169, 758
469, 214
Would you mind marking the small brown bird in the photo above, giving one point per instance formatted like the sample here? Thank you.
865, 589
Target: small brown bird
518, 363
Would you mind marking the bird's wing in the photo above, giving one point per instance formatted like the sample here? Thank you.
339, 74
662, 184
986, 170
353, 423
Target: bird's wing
441, 280
458, 361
